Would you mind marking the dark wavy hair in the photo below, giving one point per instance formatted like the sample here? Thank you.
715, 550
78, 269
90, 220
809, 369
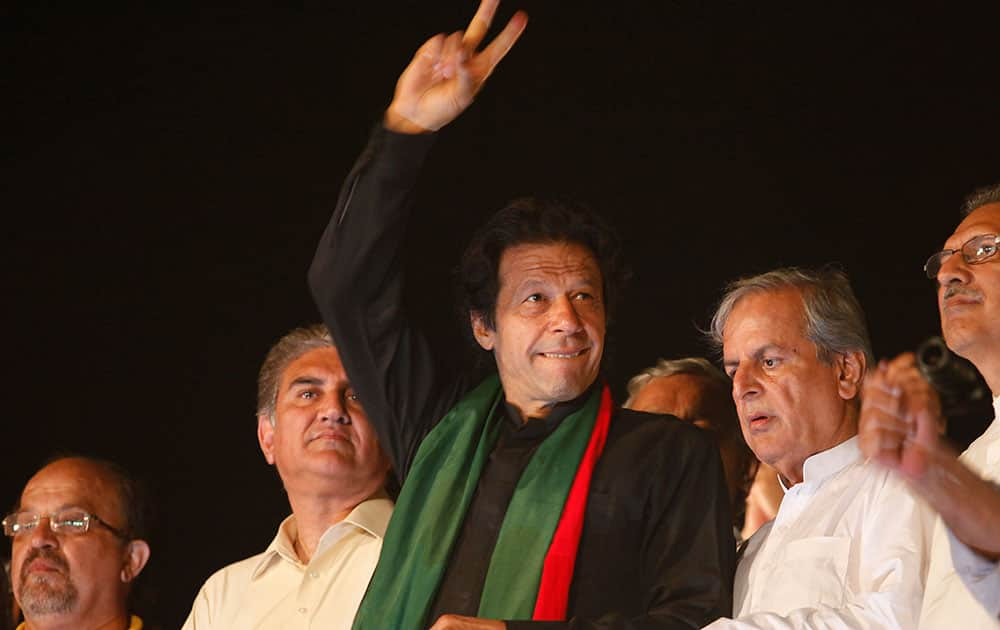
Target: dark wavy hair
535, 220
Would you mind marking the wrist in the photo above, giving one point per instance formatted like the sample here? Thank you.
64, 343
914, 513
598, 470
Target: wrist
394, 121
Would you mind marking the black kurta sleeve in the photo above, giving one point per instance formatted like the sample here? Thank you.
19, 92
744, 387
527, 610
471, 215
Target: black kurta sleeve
356, 279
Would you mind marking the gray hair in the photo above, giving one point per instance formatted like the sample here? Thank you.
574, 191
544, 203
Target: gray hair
834, 320
981, 197
287, 349
696, 366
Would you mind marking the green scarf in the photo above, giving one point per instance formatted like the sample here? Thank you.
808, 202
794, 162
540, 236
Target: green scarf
436, 495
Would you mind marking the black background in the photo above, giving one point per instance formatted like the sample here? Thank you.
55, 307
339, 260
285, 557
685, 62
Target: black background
167, 173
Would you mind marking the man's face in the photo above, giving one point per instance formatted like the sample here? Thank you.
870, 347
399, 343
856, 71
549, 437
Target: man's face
790, 403
969, 295
550, 324
681, 395
79, 576
694, 399
321, 433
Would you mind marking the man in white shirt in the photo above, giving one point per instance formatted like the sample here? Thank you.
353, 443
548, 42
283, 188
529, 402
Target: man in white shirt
847, 547
902, 414
312, 428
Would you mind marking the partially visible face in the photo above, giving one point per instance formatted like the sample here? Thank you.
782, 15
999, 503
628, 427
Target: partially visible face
790, 403
550, 324
79, 575
679, 395
694, 399
969, 295
321, 433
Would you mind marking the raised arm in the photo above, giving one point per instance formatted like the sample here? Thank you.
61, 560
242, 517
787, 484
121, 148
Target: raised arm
356, 276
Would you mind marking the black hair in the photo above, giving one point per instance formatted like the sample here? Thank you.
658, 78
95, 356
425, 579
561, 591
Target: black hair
535, 220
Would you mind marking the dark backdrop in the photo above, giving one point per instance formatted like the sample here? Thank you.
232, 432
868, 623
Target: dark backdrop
167, 173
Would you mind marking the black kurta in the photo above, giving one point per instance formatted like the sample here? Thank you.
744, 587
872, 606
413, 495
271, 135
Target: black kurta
657, 549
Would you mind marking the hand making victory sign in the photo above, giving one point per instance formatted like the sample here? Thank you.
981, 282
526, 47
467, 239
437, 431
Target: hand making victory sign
448, 71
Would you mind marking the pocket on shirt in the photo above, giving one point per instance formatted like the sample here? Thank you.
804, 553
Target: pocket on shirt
812, 572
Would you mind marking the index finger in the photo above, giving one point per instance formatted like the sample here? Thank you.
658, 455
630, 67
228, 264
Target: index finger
479, 25
502, 43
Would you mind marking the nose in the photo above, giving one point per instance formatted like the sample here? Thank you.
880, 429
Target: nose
953, 270
334, 410
745, 384
564, 318
42, 535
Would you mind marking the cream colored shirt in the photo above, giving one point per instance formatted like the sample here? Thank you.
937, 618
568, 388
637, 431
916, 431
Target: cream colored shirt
963, 588
275, 590
849, 548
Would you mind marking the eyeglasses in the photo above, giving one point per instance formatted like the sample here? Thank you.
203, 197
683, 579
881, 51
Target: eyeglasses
66, 521
976, 250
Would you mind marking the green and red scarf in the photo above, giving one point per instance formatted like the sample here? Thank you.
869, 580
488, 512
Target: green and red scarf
532, 563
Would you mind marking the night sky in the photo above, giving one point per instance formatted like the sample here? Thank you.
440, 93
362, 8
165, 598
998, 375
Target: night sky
166, 174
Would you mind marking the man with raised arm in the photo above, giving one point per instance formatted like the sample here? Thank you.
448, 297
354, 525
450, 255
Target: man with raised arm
529, 499
902, 413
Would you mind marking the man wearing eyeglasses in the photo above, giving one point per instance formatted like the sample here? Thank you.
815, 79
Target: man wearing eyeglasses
75, 546
901, 415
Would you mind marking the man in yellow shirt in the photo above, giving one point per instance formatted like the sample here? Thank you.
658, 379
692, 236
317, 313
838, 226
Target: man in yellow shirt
312, 428
77, 546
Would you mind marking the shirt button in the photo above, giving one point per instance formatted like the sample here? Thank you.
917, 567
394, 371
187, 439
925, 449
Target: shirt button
313, 574
302, 611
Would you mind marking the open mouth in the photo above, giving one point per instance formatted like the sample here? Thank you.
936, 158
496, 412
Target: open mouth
564, 355
758, 420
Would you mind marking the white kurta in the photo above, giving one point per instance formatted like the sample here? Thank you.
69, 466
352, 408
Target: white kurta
849, 548
276, 590
963, 588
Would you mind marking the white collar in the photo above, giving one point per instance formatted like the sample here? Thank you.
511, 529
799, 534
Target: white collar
825, 464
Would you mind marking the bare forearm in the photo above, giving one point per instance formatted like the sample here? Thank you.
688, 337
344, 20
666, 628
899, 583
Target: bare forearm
968, 504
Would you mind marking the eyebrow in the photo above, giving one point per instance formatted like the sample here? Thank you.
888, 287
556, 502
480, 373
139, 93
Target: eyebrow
756, 354
306, 380
64, 506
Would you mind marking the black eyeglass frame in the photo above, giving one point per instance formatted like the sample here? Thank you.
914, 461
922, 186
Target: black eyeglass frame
933, 265
9, 522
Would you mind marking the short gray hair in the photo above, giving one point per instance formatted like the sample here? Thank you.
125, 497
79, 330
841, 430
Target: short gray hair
287, 349
696, 366
834, 320
981, 197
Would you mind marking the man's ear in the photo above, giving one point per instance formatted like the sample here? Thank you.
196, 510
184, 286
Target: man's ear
484, 334
850, 373
265, 435
136, 557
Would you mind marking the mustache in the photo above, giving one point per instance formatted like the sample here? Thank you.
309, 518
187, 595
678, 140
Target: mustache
955, 289
43, 553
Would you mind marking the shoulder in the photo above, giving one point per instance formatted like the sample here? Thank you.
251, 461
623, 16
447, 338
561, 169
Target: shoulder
658, 445
232, 577
889, 501
651, 428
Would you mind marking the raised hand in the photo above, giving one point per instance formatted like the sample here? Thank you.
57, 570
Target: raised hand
900, 421
448, 71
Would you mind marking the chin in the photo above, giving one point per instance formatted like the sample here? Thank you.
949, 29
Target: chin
567, 390
959, 338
